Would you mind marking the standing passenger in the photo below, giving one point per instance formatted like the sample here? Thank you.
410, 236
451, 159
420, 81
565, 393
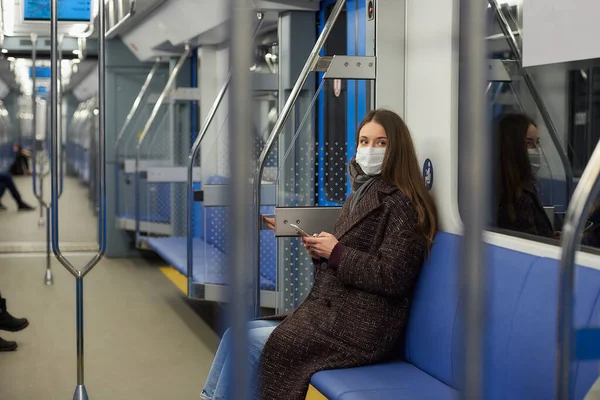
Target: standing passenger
20, 165
7, 182
357, 310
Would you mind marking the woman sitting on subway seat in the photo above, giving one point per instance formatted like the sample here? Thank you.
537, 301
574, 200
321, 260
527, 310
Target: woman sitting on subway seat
365, 273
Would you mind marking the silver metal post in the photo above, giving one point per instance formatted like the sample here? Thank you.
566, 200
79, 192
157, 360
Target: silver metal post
153, 114
474, 174
537, 98
60, 119
190, 168
278, 128
240, 100
49, 277
39, 195
80, 390
584, 196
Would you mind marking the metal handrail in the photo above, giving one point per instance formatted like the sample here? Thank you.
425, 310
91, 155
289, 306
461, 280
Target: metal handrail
134, 108
537, 98
112, 31
60, 120
278, 129
155, 110
190, 166
136, 105
580, 206
475, 192
39, 196
80, 390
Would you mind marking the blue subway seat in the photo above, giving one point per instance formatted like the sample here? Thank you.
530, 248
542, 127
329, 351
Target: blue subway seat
520, 340
390, 381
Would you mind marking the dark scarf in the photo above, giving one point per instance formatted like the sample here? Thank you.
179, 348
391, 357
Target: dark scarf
361, 183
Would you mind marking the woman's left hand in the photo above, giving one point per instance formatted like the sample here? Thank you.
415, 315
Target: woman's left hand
321, 245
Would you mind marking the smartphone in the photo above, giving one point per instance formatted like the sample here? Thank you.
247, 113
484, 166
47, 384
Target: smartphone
300, 230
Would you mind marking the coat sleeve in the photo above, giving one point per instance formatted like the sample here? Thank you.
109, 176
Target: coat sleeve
391, 271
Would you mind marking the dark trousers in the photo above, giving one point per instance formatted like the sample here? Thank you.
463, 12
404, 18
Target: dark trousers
6, 182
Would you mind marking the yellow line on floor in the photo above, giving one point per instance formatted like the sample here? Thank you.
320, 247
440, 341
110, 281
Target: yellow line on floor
174, 276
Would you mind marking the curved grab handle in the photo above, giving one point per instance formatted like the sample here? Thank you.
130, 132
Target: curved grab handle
155, 110
573, 227
537, 98
190, 164
278, 128
80, 391
55, 143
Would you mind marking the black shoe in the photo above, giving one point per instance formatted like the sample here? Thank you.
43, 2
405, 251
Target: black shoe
10, 323
5, 345
2, 207
25, 207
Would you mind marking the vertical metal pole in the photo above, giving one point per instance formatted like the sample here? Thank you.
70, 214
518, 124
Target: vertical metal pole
80, 390
476, 189
49, 278
34, 179
60, 119
101, 146
242, 236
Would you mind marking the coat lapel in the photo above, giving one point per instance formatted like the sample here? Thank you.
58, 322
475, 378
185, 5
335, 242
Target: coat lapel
369, 203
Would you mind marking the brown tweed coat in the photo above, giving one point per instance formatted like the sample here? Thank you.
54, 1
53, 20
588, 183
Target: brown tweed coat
356, 313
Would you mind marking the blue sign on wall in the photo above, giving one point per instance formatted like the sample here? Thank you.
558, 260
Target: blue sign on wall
428, 173
68, 10
40, 72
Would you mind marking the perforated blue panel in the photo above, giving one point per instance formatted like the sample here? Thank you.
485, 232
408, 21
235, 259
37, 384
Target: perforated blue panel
173, 250
216, 234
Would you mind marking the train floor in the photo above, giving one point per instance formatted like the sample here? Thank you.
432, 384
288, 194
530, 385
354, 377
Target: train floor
143, 338
20, 231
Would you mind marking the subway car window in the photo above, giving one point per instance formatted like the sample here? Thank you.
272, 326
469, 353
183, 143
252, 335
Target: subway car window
530, 147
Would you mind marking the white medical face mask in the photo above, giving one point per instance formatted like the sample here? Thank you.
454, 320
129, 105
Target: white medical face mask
535, 159
370, 159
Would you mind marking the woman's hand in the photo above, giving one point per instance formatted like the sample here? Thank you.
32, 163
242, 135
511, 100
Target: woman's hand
269, 222
311, 251
321, 245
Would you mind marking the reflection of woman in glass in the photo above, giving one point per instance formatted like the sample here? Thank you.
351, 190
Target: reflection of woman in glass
518, 207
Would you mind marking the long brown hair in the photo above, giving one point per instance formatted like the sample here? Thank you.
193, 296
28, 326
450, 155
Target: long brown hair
513, 168
401, 168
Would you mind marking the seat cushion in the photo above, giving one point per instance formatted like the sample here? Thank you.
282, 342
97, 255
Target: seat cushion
390, 381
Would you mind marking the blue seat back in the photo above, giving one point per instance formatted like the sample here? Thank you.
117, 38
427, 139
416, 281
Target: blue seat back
520, 321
